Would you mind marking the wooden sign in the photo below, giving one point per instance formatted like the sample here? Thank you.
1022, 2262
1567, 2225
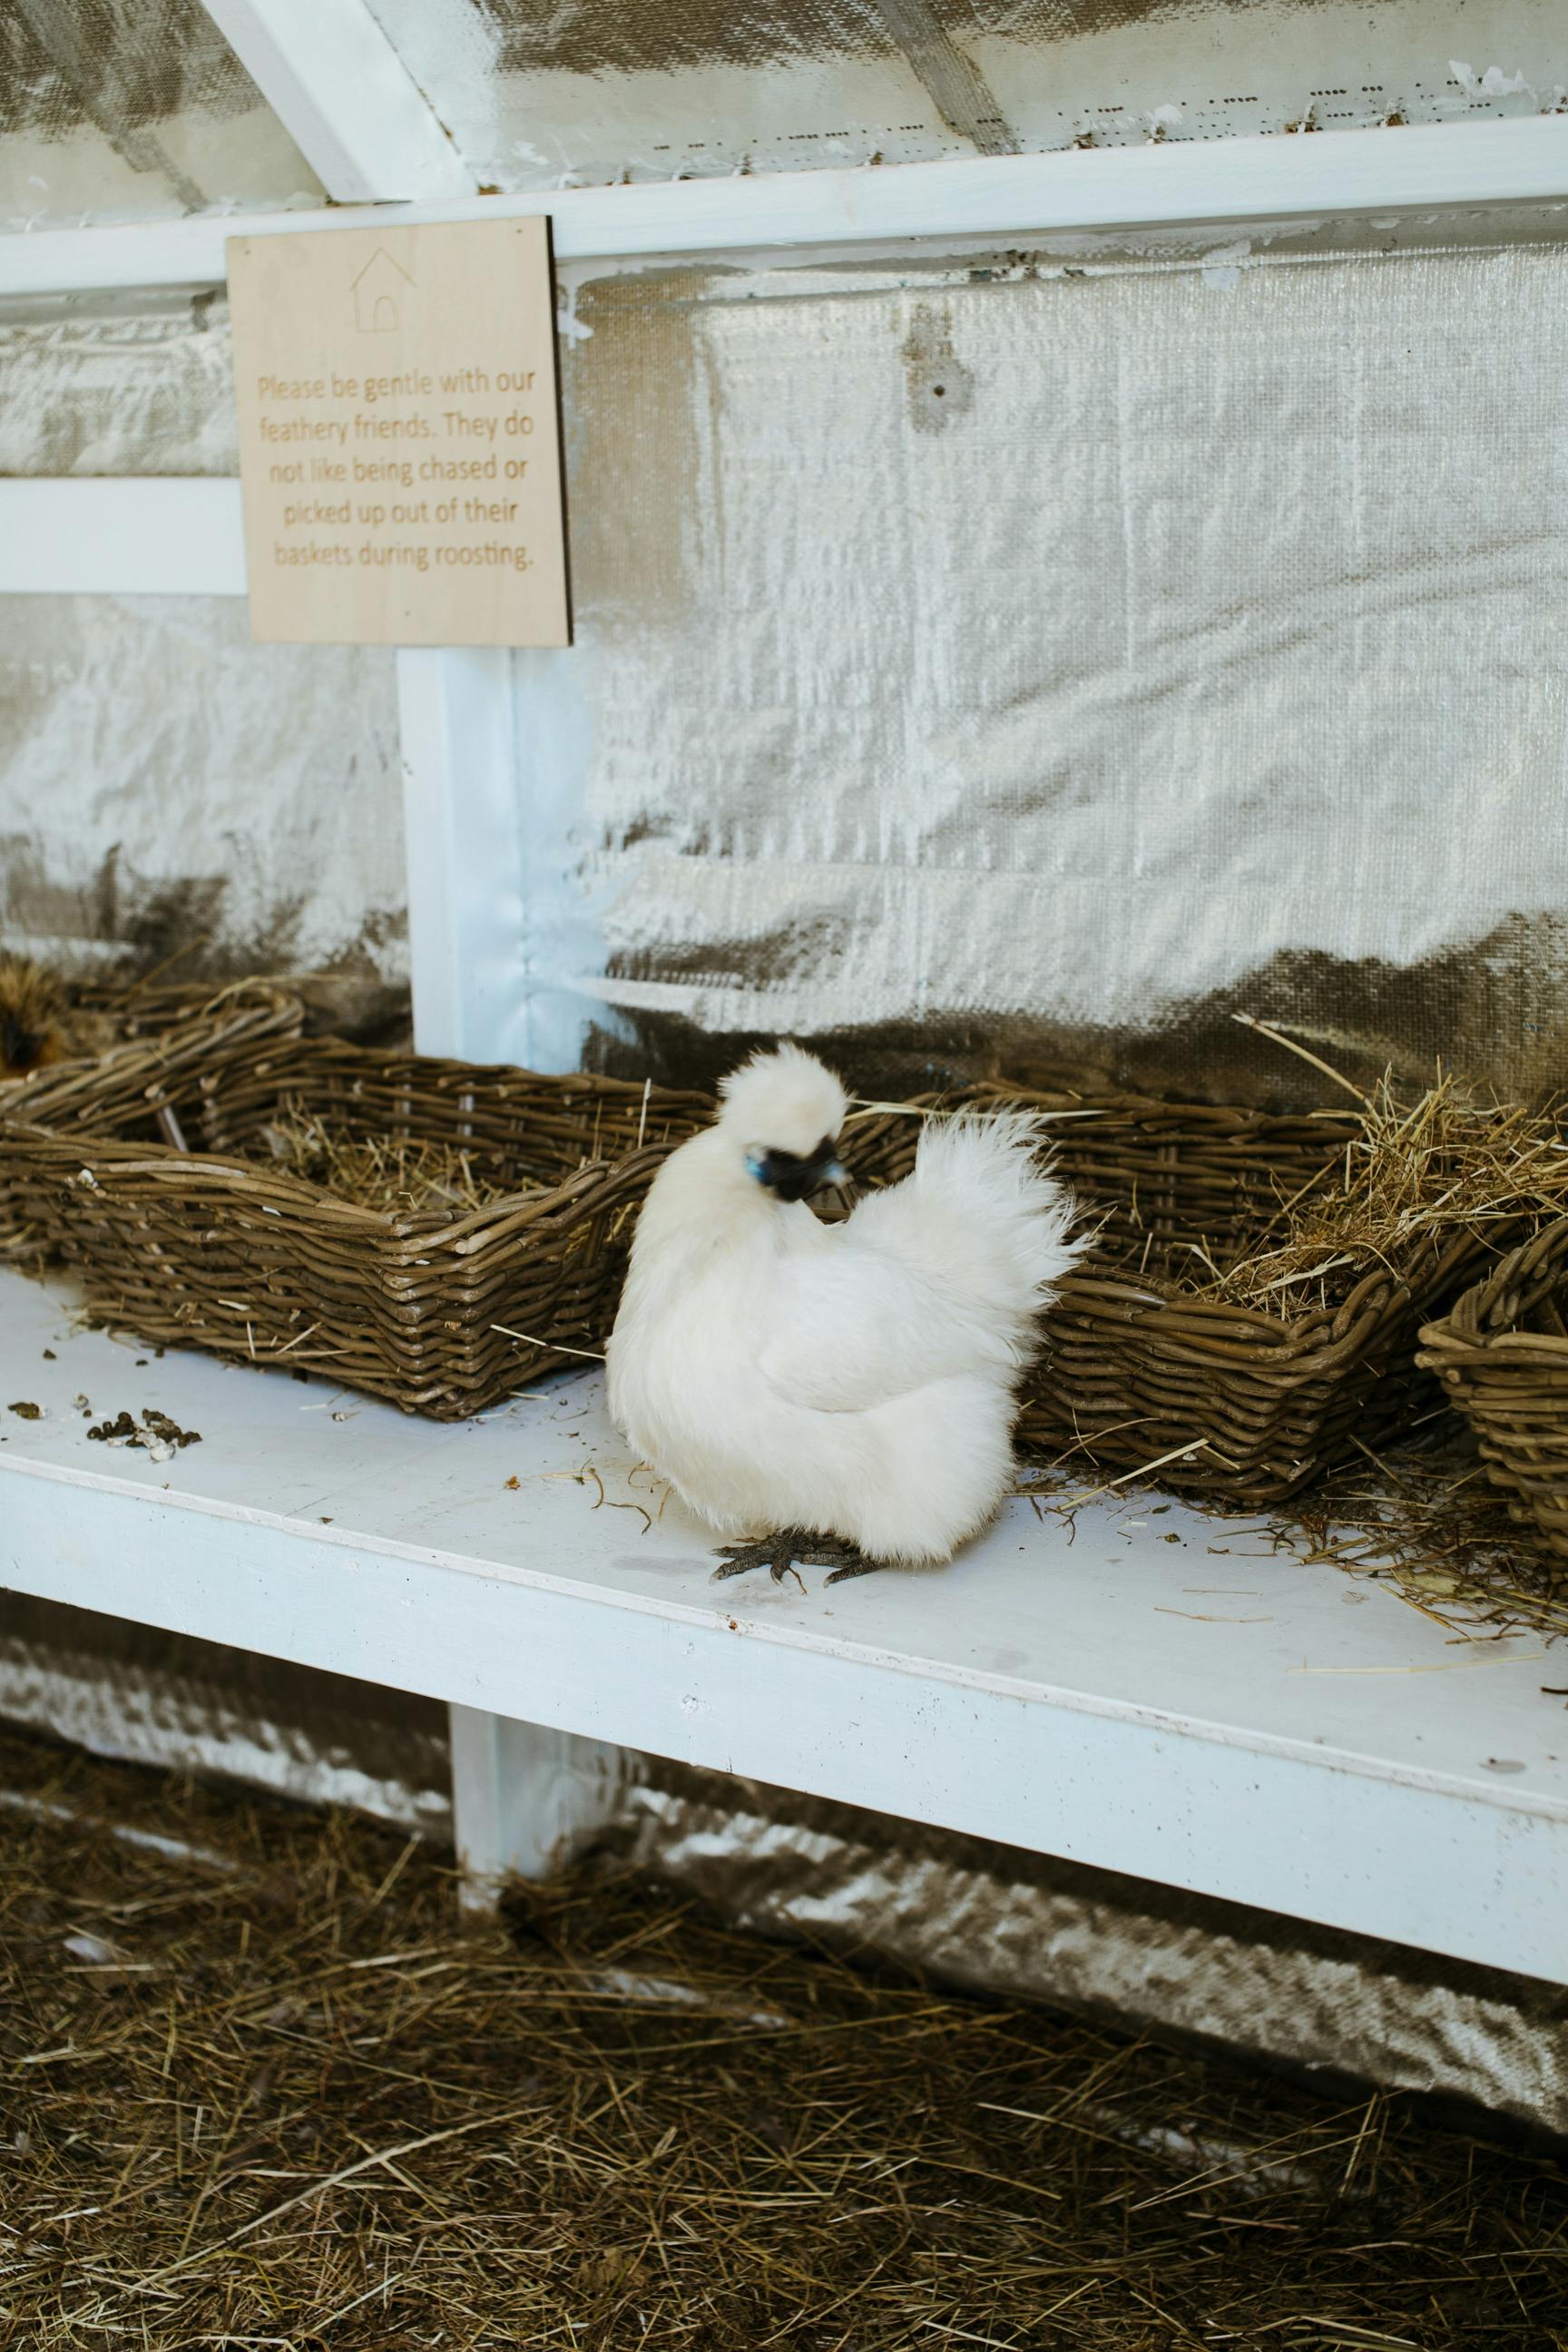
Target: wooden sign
399, 436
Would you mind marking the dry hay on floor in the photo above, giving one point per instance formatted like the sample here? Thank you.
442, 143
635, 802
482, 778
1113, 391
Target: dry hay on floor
1424, 1520
1430, 1524
259, 2091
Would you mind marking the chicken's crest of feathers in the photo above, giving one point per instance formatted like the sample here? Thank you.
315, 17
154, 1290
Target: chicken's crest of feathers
784, 1100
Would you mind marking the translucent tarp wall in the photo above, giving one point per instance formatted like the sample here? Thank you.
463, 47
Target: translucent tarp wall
169, 789
538, 94
1021, 665
114, 109
137, 382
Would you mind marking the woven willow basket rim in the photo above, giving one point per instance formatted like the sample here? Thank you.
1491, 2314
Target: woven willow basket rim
1178, 1310
414, 1234
260, 1008
442, 1309
1097, 1102
80, 1084
1219, 1331
1482, 1326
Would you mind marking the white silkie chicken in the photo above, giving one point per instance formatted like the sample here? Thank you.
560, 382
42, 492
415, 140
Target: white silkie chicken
803, 1383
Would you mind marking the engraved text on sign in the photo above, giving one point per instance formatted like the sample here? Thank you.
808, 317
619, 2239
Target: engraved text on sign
399, 436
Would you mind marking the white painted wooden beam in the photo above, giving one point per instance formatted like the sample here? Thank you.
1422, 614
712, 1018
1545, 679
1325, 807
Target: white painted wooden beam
345, 98
149, 537
1194, 181
462, 833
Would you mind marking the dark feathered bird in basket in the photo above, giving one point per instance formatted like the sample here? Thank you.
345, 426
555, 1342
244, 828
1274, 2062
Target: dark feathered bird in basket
32, 1017
845, 1392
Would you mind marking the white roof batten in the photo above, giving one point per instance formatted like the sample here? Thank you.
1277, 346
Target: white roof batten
346, 98
1193, 181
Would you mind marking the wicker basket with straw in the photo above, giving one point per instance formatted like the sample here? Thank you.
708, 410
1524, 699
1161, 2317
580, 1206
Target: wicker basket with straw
1144, 1369
435, 1231
1502, 1356
1249, 1313
1251, 1310
46, 1019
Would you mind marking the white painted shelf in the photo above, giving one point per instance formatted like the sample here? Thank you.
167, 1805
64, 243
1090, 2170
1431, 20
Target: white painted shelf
1160, 1694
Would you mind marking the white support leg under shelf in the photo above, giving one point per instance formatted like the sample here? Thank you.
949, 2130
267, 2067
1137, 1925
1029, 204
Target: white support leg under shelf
525, 1800
523, 1797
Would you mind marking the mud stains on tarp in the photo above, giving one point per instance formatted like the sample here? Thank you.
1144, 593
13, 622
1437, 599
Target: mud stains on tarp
126, 926
941, 388
1494, 1009
123, 64
650, 37
169, 789
795, 949
144, 920
654, 38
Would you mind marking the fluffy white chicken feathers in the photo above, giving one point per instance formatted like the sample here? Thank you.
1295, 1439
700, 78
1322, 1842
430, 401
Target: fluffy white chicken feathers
856, 1380
784, 1101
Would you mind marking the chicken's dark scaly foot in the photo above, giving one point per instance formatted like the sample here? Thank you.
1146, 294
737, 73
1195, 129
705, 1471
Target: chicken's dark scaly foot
779, 1554
857, 1564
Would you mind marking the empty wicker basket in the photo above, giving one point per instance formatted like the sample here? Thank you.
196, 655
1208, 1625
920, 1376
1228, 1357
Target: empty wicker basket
150, 1172
1502, 1356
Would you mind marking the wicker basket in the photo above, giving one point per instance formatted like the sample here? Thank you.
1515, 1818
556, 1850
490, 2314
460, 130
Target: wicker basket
1502, 1356
75, 1019
1138, 1370
184, 1240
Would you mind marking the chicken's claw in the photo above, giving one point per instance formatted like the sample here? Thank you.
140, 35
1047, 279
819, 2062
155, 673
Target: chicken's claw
856, 1565
778, 1554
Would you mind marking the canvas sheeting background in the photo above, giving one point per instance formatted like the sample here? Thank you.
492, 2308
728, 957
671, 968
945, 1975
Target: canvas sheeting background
538, 96
1026, 665
139, 109
1014, 660
1018, 665
132, 110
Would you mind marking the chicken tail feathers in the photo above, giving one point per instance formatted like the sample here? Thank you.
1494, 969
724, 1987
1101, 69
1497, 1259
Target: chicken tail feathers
988, 1217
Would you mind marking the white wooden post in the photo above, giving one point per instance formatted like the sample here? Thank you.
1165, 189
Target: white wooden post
523, 1797
345, 98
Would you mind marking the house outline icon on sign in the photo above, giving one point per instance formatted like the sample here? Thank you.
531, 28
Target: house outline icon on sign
377, 292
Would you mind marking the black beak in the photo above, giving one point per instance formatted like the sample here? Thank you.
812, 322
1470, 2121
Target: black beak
794, 1176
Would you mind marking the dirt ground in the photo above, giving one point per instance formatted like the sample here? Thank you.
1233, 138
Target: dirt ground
260, 2089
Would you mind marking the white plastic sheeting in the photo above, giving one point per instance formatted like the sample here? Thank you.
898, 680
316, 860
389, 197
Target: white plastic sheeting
135, 383
538, 96
1027, 663
132, 110
1037, 1927
169, 1701
166, 786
